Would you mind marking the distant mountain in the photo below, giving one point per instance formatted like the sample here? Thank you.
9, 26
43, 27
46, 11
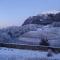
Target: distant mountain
31, 31
43, 19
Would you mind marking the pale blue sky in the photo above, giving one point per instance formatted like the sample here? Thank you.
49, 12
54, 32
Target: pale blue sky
14, 12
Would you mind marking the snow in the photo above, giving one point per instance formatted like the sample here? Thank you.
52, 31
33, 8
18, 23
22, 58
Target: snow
49, 11
21, 54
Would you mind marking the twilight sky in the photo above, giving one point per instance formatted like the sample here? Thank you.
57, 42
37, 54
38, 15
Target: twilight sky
14, 12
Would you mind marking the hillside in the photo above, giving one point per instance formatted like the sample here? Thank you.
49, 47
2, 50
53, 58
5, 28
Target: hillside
43, 19
33, 29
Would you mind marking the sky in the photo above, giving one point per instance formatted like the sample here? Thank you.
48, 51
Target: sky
15, 12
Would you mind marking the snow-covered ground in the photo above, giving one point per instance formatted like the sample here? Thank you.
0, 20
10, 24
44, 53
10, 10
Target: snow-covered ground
21, 54
34, 37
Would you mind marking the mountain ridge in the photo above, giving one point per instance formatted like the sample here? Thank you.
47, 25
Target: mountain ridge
43, 19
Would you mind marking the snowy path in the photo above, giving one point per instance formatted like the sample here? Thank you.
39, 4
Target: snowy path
19, 54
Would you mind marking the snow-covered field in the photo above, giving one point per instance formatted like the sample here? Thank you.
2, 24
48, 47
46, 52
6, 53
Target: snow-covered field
20, 54
34, 37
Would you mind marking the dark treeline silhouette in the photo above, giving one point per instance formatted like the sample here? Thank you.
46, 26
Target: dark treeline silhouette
44, 42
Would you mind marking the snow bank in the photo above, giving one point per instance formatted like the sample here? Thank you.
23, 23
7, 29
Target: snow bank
19, 54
